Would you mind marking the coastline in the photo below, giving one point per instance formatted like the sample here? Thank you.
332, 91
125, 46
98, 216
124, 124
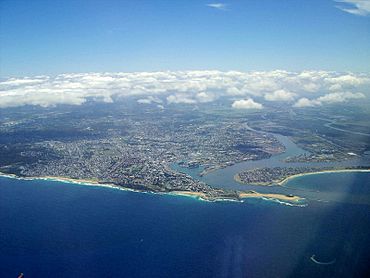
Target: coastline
271, 196
284, 181
86, 182
192, 194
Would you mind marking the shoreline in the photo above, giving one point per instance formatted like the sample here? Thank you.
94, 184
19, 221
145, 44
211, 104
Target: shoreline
192, 194
283, 181
85, 182
94, 183
271, 196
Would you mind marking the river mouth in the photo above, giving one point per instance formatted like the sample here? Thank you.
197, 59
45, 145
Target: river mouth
224, 177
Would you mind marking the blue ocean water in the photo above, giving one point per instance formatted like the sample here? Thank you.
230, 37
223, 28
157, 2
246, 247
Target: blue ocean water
347, 182
54, 229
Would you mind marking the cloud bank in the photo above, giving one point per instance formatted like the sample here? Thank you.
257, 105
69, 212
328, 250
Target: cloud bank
298, 89
328, 98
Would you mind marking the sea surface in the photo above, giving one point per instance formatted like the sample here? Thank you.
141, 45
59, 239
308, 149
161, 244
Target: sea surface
56, 229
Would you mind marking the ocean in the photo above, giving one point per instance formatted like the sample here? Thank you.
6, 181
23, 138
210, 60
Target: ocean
56, 229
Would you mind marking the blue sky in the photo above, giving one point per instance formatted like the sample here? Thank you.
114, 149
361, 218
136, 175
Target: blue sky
52, 37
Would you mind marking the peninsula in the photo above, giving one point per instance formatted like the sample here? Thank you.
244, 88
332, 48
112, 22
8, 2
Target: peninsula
280, 175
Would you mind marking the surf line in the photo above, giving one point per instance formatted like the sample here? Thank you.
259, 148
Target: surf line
321, 263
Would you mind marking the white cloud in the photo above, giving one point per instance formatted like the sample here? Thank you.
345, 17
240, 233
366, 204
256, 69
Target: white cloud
218, 6
305, 102
190, 87
311, 87
246, 104
25, 81
340, 97
205, 97
149, 100
280, 95
180, 98
356, 7
328, 98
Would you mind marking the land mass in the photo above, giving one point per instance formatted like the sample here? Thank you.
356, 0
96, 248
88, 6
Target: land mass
280, 175
236, 196
129, 145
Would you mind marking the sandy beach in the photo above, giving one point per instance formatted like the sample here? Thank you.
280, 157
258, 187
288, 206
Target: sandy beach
95, 183
197, 195
85, 182
284, 181
280, 197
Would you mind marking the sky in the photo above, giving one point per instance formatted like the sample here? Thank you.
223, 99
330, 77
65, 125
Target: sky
71, 36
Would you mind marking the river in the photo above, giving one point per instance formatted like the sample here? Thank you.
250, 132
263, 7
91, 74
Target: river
224, 178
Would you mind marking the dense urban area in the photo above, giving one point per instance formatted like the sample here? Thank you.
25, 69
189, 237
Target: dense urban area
134, 146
